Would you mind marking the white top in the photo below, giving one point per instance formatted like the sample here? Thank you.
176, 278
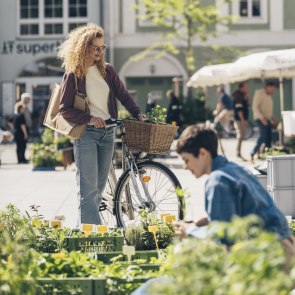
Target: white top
97, 93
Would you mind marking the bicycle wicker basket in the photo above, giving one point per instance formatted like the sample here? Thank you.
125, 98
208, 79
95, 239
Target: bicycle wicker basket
149, 137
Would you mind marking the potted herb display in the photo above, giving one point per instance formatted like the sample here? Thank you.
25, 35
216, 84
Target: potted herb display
139, 236
43, 153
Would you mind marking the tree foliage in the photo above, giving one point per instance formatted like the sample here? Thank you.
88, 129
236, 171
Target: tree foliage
182, 21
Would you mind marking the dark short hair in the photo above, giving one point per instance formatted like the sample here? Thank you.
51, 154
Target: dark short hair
170, 92
195, 137
241, 84
270, 83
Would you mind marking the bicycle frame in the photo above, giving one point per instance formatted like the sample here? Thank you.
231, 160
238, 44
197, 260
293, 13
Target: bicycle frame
129, 162
139, 189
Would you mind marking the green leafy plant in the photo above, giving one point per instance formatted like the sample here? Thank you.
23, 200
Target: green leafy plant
157, 114
15, 224
292, 226
252, 264
73, 264
48, 136
44, 153
17, 260
274, 151
138, 235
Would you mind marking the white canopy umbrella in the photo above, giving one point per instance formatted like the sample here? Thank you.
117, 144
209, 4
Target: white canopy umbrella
270, 64
212, 75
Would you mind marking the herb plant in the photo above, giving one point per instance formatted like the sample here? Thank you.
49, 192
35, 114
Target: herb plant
157, 115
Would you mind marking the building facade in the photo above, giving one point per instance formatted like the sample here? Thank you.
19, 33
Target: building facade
31, 30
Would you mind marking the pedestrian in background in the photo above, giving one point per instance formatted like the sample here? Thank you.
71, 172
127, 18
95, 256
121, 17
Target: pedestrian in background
5, 136
224, 108
83, 54
241, 113
25, 100
20, 133
263, 116
150, 104
174, 109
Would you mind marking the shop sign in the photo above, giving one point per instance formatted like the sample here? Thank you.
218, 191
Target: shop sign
12, 47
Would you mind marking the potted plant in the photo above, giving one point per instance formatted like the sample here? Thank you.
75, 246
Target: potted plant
44, 155
65, 146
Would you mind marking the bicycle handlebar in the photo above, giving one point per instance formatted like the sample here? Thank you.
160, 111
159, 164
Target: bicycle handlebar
112, 122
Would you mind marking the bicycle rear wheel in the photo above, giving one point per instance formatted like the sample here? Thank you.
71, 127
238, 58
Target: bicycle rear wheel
106, 208
161, 184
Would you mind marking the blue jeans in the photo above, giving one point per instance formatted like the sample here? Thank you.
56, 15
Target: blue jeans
93, 155
264, 136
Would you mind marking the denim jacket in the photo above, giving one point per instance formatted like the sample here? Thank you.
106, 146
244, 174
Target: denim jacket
233, 190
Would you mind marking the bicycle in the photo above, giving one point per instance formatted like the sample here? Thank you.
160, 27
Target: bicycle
143, 185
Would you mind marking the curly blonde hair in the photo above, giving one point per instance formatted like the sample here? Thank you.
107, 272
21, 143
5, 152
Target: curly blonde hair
74, 50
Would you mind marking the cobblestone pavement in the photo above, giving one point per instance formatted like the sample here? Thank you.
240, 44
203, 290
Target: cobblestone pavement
55, 191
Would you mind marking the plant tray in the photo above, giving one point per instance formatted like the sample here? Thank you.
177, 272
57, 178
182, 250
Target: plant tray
97, 244
148, 137
66, 286
100, 286
85, 286
147, 255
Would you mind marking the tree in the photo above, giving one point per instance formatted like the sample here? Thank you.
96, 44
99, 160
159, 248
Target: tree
182, 21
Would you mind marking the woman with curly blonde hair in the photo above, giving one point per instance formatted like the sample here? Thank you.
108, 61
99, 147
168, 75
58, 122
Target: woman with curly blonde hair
82, 54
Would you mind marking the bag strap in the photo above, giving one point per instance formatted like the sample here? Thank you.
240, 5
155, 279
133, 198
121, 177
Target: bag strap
83, 95
76, 84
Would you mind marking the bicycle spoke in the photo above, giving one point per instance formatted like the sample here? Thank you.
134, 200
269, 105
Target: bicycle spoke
160, 187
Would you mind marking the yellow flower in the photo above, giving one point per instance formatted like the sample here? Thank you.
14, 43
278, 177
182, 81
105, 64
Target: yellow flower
58, 255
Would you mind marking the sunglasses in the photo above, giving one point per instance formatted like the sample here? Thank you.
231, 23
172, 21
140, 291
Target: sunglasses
101, 48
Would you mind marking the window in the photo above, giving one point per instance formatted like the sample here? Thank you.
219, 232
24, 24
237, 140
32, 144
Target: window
53, 8
77, 8
250, 8
256, 8
30, 29
29, 9
51, 29
250, 11
50, 18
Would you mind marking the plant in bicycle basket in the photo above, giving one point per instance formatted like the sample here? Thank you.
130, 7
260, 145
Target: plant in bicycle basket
157, 115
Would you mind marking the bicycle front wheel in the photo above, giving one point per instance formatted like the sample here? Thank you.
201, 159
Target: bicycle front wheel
160, 183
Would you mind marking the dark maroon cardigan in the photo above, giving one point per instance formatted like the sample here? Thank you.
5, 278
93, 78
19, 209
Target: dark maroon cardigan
117, 91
